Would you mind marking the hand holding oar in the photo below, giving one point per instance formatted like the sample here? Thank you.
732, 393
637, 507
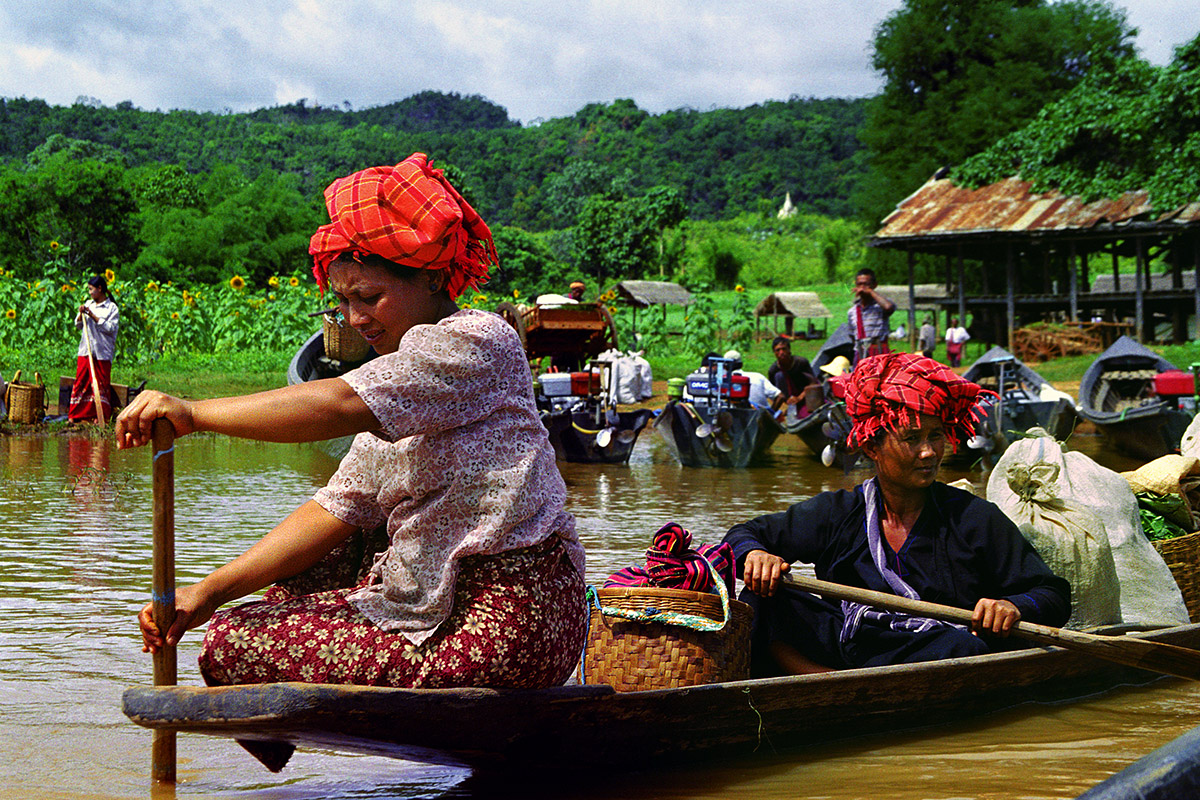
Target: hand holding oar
163, 587
1168, 659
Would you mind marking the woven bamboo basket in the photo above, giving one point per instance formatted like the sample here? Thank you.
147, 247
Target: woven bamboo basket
341, 341
1182, 555
634, 655
26, 401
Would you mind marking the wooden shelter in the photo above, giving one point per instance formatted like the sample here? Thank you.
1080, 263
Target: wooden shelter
1034, 253
790, 306
644, 294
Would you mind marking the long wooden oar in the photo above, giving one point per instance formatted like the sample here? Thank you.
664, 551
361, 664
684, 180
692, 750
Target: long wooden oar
1168, 659
87, 342
162, 591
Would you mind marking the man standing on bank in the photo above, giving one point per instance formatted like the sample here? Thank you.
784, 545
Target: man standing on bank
869, 316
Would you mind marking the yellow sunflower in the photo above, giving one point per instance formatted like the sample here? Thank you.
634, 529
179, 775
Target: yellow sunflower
516, 294
293, 281
109, 276
66, 288
188, 299
174, 315
54, 245
273, 281
271, 296
151, 287
237, 282
10, 314
739, 288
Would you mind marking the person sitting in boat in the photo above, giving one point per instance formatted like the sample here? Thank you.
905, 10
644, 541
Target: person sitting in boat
791, 375
762, 391
900, 532
869, 316
480, 581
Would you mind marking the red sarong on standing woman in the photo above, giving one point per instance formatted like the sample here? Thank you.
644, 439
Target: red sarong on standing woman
83, 404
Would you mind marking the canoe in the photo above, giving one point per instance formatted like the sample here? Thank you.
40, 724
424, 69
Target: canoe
839, 343
572, 727
1117, 396
824, 432
1169, 773
574, 431
741, 435
309, 364
1020, 405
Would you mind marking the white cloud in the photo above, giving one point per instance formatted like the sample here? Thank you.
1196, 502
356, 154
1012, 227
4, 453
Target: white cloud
538, 58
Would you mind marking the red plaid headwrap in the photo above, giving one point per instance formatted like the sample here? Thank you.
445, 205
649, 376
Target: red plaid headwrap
891, 391
409, 214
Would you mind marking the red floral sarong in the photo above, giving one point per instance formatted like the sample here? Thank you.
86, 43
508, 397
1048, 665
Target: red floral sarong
518, 621
83, 405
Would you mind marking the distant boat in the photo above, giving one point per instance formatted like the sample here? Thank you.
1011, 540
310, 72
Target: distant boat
311, 364
588, 434
1117, 395
1020, 405
713, 424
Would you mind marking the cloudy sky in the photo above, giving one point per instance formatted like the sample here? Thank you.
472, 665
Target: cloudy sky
537, 58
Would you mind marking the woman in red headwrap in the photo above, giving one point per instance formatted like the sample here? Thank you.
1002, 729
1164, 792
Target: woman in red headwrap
479, 582
900, 532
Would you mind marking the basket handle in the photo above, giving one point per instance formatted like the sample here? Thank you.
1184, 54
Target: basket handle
37, 379
16, 377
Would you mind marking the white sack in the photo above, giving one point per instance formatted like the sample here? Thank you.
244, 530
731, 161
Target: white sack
1190, 444
1148, 593
1069, 538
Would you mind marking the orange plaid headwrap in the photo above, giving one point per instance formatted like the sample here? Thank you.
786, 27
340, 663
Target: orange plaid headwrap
409, 214
891, 391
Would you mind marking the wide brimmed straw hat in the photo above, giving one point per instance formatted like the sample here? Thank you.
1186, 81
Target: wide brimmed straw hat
837, 366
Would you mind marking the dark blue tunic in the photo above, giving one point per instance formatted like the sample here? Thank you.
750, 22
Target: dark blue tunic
961, 549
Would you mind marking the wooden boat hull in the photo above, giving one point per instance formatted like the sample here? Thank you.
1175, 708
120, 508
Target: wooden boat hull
812, 431
573, 435
1115, 396
752, 433
594, 726
309, 364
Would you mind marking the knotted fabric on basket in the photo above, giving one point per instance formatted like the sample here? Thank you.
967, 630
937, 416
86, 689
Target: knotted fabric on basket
892, 391
671, 563
408, 214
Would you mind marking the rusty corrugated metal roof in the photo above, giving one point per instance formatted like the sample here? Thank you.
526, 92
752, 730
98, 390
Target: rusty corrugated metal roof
939, 208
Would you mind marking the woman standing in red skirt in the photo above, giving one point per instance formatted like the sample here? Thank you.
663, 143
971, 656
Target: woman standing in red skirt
480, 578
93, 366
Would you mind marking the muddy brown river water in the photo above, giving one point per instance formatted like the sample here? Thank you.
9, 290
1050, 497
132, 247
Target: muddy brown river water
75, 567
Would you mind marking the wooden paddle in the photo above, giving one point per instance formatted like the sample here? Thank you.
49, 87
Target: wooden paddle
1168, 659
162, 591
87, 342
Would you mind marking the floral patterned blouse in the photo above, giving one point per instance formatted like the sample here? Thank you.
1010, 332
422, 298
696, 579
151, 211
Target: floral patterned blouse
462, 466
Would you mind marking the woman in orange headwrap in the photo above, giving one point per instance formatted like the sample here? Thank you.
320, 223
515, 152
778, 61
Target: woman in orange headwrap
900, 532
480, 579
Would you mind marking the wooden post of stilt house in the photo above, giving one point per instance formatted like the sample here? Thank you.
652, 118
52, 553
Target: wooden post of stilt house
1178, 315
1010, 301
912, 305
1116, 268
1073, 280
1196, 282
962, 297
1139, 293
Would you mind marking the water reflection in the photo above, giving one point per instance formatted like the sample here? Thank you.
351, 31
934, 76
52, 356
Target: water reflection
75, 567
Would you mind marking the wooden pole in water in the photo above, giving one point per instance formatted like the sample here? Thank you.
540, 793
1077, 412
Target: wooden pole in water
163, 587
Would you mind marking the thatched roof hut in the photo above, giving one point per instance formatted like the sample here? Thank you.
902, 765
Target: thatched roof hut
790, 306
643, 294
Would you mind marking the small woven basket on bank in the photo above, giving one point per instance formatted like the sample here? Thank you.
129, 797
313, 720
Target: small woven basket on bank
26, 401
1182, 555
662, 646
341, 341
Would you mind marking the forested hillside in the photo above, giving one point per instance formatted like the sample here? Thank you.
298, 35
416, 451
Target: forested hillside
724, 161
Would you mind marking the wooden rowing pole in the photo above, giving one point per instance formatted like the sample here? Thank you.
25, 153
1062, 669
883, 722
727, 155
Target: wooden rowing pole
87, 342
163, 588
1168, 659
